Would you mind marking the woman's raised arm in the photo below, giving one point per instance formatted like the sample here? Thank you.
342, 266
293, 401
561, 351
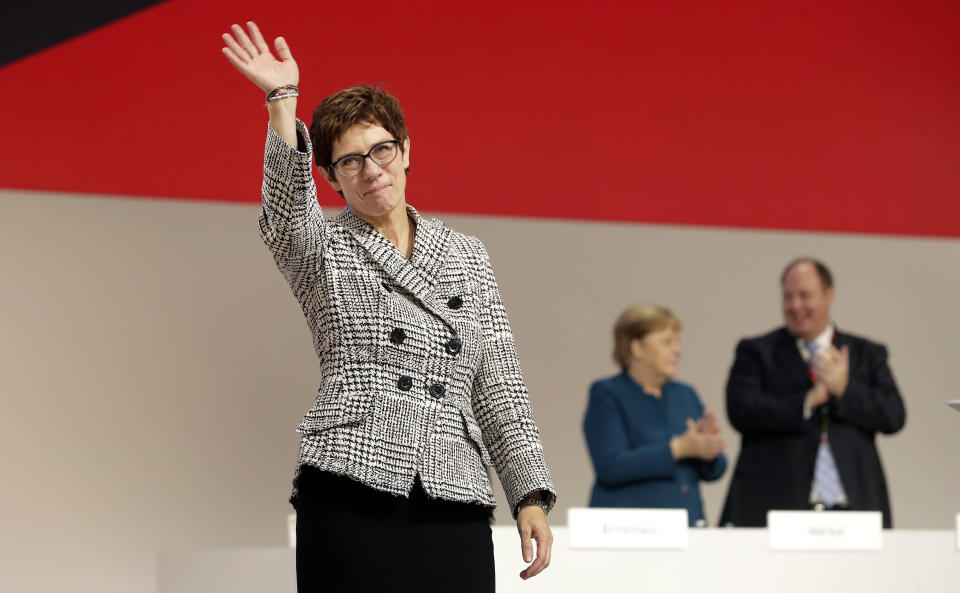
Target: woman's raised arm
250, 55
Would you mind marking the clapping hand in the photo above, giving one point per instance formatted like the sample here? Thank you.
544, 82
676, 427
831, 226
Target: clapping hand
708, 424
817, 396
832, 367
698, 444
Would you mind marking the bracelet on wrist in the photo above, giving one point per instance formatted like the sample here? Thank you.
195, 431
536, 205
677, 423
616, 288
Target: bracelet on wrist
283, 92
537, 502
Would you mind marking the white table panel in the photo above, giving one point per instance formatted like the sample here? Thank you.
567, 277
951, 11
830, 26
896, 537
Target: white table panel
717, 560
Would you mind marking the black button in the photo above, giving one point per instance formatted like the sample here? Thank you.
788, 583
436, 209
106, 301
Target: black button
437, 390
453, 346
404, 383
397, 336
387, 286
455, 303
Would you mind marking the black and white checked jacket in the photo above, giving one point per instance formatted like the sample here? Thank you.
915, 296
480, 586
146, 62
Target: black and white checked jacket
420, 371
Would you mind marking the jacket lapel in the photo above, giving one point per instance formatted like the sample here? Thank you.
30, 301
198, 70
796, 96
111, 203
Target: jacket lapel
839, 341
430, 247
788, 358
417, 277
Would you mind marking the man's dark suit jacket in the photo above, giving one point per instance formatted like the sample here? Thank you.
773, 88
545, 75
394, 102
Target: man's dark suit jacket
765, 397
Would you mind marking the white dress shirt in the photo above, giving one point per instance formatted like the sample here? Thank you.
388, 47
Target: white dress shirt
823, 341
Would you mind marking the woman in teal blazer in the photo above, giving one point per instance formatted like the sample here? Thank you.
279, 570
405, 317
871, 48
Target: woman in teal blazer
648, 436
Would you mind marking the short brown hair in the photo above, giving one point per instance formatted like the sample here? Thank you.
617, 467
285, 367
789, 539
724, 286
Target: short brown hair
826, 278
344, 109
635, 323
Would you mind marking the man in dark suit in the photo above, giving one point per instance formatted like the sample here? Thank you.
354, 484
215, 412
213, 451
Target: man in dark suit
808, 401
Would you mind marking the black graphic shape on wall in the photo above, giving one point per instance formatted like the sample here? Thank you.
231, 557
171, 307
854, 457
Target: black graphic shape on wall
30, 27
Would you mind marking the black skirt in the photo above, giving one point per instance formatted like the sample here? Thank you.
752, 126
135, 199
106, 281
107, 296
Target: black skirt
351, 537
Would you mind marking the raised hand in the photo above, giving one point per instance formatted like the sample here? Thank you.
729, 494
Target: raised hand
250, 55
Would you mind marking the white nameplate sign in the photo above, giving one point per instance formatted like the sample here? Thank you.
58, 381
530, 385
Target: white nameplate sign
632, 529
825, 530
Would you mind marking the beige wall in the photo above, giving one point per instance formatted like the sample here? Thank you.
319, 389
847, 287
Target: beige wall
155, 365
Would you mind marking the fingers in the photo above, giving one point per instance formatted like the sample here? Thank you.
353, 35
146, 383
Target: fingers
257, 38
283, 50
721, 445
819, 394
820, 358
823, 392
532, 525
526, 544
823, 363
834, 355
238, 52
709, 423
250, 55
713, 445
544, 541
244, 41
232, 57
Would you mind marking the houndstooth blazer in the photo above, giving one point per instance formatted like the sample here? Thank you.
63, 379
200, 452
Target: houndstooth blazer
420, 374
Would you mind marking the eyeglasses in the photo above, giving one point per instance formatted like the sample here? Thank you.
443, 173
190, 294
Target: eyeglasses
352, 165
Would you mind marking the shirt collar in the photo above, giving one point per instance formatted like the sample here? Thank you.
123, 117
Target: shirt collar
823, 341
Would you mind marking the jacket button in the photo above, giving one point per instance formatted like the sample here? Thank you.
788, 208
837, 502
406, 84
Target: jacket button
684, 488
455, 303
404, 383
437, 390
453, 346
397, 336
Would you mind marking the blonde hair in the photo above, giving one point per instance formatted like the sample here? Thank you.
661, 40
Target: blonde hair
635, 323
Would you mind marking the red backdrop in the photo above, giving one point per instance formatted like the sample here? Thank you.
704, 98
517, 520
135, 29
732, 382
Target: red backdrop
841, 116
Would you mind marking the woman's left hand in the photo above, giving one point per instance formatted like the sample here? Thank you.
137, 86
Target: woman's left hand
532, 525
